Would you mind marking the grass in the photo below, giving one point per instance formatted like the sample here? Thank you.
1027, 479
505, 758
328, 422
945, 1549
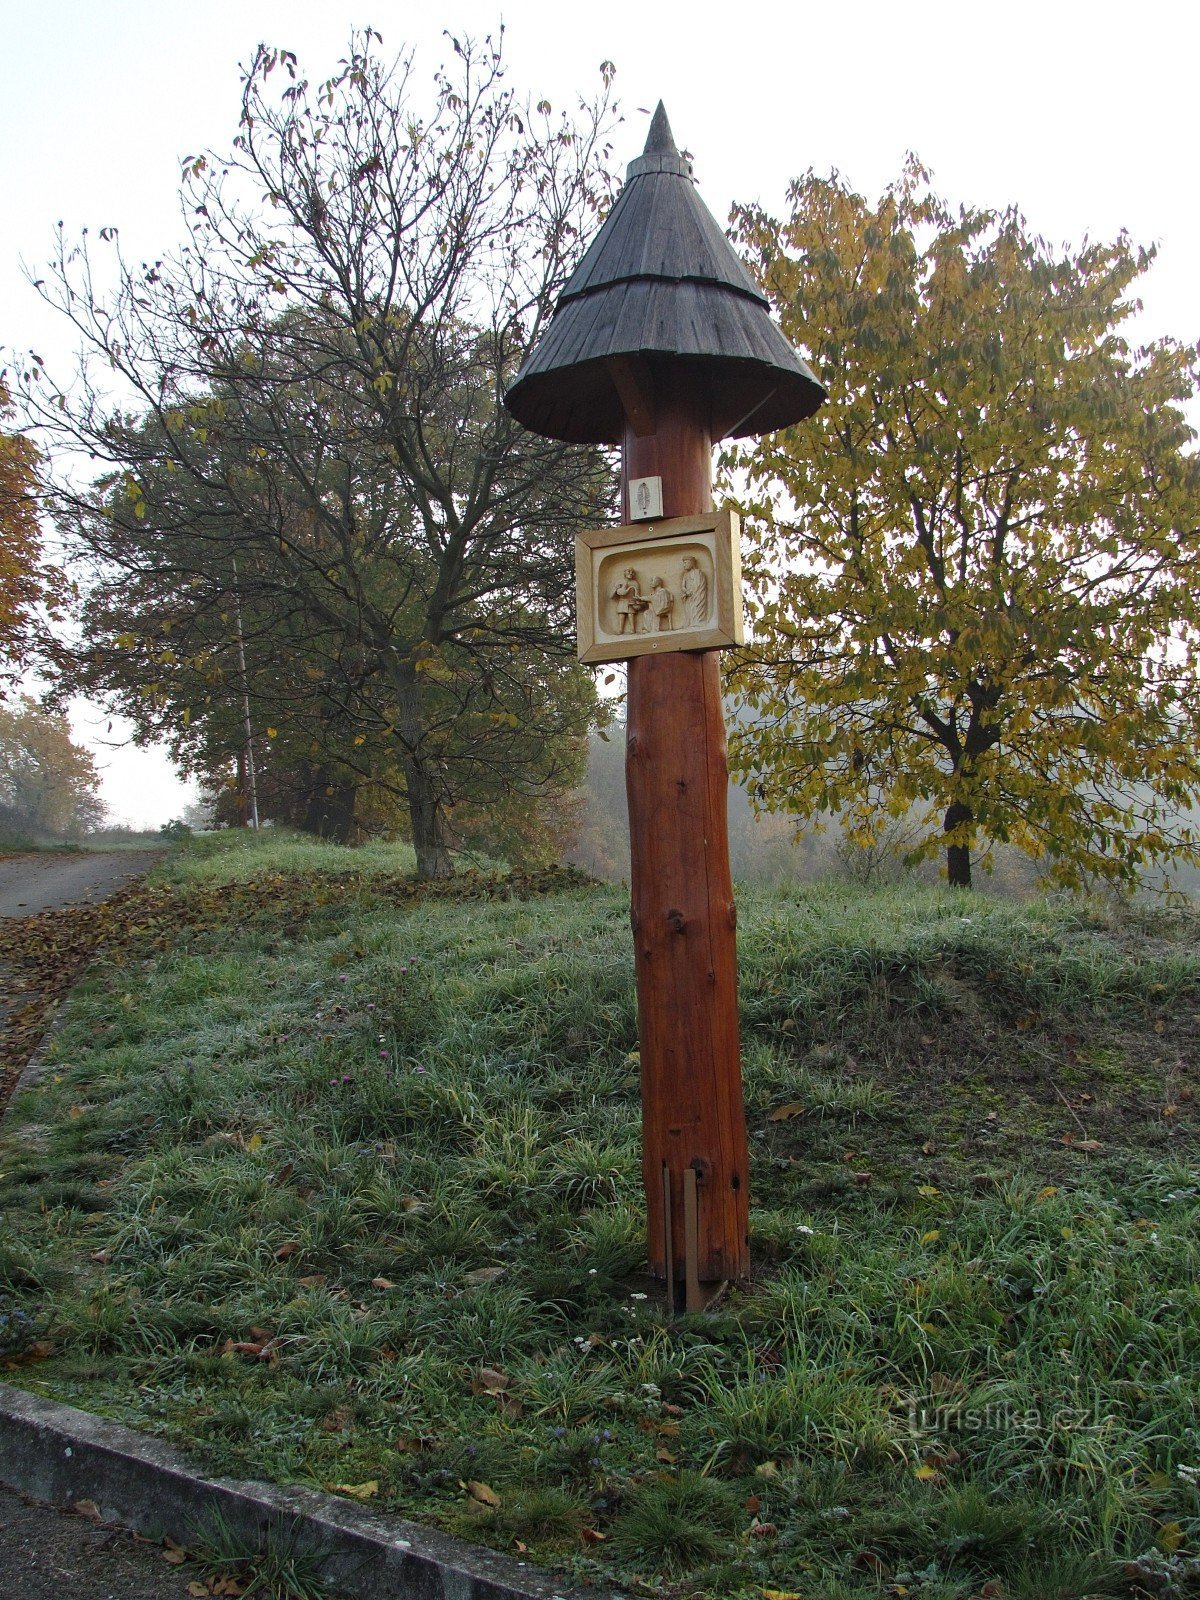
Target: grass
277, 1564
342, 1182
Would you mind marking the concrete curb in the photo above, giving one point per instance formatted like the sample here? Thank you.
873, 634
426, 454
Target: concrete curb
60, 1455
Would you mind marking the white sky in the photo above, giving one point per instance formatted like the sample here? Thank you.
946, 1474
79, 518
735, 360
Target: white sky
1084, 115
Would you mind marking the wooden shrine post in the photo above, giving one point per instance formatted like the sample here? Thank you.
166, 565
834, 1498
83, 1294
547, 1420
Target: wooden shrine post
662, 343
694, 1152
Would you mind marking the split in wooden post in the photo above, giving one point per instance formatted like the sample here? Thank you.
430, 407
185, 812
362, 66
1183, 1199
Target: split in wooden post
668, 1247
693, 1301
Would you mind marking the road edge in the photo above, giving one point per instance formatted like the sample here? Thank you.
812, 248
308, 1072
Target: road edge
60, 1455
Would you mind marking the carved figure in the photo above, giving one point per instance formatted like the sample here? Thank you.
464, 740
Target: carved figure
629, 600
695, 593
661, 601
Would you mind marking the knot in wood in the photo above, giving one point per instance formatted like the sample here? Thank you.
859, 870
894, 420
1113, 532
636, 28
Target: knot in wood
675, 921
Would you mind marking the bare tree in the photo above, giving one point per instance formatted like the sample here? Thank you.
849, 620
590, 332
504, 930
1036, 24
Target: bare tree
313, 384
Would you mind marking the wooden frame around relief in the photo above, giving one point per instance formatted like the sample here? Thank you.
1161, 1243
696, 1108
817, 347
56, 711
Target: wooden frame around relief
659, 551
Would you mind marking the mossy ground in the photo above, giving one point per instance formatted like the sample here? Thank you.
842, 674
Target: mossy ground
338, 1181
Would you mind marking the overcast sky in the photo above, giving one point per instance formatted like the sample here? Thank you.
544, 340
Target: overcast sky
1083, 115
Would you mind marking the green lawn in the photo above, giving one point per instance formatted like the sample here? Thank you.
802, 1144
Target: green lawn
341, 1182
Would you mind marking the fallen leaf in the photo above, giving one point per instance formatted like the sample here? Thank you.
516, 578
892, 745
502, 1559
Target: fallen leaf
356, 1491
925, 1473
286, 1250
762, 1530
665, 1455
254, 1142
490, 1380
783, 1113
931, 1236
382, 1283
199, 1589
862, 1179
868, 1561
592, 1536
485, 1274
929, 1190
1169, 1537
482, 1492
174, 1554
88, 1508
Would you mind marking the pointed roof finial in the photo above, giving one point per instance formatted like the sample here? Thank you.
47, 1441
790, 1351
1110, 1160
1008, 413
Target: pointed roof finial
661, 154
661, 141
662, 282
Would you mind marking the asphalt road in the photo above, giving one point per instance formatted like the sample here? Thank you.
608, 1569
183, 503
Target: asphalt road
48, 1555
47, 881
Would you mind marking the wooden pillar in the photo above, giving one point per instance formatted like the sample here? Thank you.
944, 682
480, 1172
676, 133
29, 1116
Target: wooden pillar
682, 910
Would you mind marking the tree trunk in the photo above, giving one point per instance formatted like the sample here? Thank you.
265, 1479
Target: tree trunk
958, 856
694, 1124
428, 824
425, 814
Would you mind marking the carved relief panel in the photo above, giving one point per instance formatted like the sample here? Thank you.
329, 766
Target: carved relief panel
669, 585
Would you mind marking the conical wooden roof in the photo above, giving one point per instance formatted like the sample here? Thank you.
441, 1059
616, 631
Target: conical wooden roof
661, 281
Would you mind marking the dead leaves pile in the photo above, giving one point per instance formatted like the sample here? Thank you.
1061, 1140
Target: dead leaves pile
43, 956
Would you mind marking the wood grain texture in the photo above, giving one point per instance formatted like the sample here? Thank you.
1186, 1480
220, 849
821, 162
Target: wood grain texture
682, 908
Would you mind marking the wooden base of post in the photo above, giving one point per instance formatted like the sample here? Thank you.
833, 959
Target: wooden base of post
683, 917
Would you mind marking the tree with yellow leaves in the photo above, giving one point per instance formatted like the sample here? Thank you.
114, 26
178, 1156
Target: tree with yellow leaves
975, 575
24, 584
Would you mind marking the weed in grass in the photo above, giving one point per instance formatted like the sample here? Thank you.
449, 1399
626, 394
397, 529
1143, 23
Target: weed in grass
671, 1525
1071, 1575
798, 1401
549, 1516
278, 1563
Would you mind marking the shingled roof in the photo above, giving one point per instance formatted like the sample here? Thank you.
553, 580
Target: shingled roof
660, 280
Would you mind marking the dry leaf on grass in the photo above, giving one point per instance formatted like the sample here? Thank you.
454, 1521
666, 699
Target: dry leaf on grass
356, 1491
783, 1113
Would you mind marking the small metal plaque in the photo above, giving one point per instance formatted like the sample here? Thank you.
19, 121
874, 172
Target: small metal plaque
645, 498
655, 587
